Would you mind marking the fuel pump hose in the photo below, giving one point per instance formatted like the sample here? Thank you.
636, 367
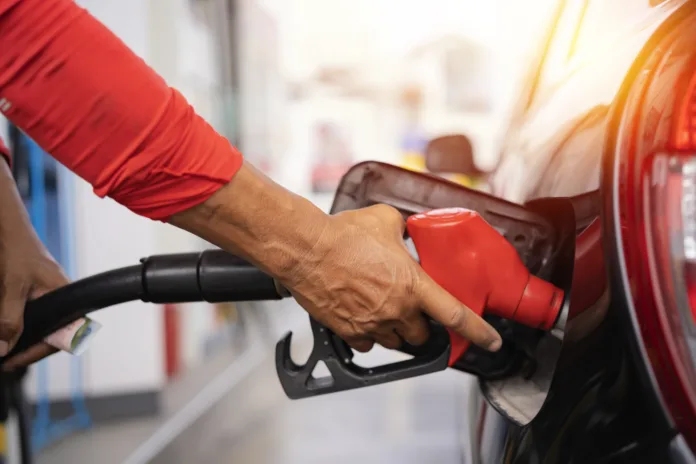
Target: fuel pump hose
211, 275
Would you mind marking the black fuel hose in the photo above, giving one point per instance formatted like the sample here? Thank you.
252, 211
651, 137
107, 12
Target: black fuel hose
212, 275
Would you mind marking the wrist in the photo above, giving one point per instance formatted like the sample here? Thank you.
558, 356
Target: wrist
5, 171
259, 220
16, 230
13, 215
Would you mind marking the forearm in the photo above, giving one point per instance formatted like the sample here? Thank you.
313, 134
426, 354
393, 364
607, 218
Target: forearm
256, 218
13, 215
82, 95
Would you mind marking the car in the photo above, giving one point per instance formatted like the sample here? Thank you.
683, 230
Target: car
607, 116
606, 123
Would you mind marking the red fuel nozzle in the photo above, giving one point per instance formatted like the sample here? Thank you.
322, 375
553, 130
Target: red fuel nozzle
471, 260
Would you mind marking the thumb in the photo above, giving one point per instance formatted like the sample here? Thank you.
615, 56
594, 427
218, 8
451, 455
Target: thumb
12, 301
454, 315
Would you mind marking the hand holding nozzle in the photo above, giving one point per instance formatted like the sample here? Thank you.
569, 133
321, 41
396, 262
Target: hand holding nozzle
467, 257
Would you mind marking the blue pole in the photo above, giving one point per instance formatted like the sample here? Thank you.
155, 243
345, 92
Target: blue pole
44, 431
37, 213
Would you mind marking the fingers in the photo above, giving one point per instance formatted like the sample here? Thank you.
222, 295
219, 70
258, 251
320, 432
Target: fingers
388, 338
14, 296
11, 316
415, 330
33, 354
49, 277
361, 344
451, 313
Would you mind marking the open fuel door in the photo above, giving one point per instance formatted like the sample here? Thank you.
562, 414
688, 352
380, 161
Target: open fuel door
542, 233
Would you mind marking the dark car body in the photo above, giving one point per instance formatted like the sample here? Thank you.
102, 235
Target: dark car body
603, 404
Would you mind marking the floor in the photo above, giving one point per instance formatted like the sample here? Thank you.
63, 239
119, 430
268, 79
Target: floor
252, 422
408, 422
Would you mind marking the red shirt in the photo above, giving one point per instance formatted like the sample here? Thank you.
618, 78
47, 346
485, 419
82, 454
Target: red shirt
89, 101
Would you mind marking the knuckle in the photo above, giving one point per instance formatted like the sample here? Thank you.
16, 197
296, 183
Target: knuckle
388, 213
365, 323
415, 332
381, 208
394, 214
352, 330
389, 342
51, 275
15, 285
394, 313
395, 217
9, 330
412, 285
362, 346
420, 335
343, 332
458, 319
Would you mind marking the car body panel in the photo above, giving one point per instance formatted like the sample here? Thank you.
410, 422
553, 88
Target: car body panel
553, 146
596, 409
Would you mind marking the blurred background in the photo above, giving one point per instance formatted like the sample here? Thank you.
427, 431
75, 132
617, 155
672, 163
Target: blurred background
305, 88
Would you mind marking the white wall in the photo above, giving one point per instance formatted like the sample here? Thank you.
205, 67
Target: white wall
261, 96
182, 50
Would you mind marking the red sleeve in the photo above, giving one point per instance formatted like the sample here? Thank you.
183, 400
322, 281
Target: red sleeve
90, 102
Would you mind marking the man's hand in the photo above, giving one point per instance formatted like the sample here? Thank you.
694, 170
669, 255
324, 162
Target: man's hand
24, 279
361, 282
27, 271
352, 271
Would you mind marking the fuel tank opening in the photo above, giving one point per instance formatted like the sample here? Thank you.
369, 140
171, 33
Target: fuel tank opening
522, 395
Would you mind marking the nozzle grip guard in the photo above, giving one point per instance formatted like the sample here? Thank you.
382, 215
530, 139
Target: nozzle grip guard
298, 382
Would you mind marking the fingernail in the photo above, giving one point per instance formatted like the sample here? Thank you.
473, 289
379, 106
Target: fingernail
495, 345
4, 348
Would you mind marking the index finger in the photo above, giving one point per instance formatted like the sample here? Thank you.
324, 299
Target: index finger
453, 314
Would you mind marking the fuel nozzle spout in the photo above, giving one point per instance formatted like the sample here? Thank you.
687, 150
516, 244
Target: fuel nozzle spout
465, 255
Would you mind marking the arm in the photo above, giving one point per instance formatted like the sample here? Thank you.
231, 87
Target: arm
351, 271
90, 102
